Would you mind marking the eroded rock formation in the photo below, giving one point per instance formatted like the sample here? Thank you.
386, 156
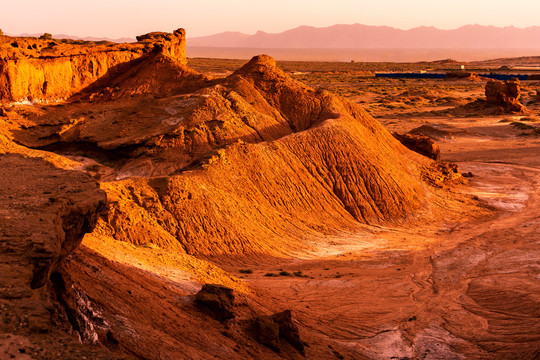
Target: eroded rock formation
38, 69
294, 149
421, 144
45, 213
504, 94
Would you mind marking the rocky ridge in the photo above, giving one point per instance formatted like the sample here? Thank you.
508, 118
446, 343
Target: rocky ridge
51, 70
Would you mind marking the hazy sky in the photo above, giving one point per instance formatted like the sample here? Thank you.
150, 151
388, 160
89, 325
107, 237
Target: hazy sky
127, 18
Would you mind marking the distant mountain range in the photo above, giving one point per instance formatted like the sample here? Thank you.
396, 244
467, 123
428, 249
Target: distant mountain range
359, 36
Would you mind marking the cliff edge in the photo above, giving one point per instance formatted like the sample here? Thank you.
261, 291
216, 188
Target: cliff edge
50, 70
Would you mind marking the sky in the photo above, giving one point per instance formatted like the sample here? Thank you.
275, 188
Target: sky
128, 18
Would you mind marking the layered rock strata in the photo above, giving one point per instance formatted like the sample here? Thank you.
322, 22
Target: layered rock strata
44, 70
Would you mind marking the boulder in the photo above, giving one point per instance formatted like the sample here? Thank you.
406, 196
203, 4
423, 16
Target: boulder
504, 94
288, 329
217, 300
421, 144
266, 331
270, 329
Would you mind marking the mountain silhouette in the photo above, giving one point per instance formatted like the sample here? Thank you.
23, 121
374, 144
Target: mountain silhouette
359, 36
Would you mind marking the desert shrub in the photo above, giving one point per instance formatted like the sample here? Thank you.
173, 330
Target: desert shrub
246, 271
284, 273
271, 274
522, 126
299, 274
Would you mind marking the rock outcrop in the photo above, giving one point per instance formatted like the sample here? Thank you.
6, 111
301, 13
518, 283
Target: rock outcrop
217, 300
271, 330
45, 213
288, 330
266, 331
37, 69
172, 45
421, 144
505, 95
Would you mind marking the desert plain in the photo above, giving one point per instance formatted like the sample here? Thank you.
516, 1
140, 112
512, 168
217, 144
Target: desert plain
132, 176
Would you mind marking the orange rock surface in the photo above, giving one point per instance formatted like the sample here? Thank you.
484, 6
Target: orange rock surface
309, 162
505, 94
198, 172
38, 69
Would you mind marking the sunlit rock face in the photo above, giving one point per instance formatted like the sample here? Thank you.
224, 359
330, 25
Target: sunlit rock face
43, 70
505, 94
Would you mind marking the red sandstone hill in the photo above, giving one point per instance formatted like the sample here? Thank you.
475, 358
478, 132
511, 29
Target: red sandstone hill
196, 171
257, 125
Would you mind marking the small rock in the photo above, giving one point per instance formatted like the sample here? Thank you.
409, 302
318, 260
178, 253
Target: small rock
217, 300
421, 144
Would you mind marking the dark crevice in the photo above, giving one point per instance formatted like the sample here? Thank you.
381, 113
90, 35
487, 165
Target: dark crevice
59, 287
40, 272
91, 150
